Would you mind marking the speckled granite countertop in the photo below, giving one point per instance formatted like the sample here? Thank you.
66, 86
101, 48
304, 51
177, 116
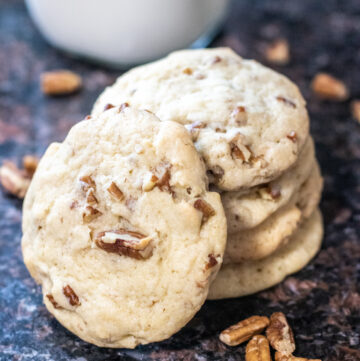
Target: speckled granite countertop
322, 302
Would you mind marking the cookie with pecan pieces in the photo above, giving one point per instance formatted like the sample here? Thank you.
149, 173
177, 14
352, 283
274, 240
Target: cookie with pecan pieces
120, 229
248, 122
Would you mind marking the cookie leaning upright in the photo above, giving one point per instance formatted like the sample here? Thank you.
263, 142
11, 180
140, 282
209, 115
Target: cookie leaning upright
248, 122
120, 230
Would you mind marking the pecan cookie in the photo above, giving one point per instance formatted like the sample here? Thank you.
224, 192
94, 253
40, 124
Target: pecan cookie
246, 210
235, 280
264, 239
248, 122
120, 230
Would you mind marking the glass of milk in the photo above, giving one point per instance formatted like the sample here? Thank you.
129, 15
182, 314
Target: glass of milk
122, 33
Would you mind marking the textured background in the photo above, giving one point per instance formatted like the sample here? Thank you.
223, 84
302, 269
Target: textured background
322, 302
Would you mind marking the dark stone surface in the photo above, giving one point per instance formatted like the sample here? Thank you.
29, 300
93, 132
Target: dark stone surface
322, 302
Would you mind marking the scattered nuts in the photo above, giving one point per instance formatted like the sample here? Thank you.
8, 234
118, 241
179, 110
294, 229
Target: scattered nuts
205, 208
258, 349
90, 198
244, 330
286, 101
14, 180
280, 334
90, 214
87, 183
115, 191
71, 295
30, 163
60, 82
328, 87
292, 136
355, 110
126, 243
52, 300
164, 175
278, 52
281, 357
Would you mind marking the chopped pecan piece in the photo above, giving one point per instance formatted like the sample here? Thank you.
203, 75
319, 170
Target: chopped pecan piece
244, 330
244, 153
286, 101
60, 82
30, 163
281, 357
280, 334
71, 296
74, 204
90, 214
239, 115
88, 117
52, 300
215, 173
270, 192
87, 183
115, 191
328, 87
278, 52
150, 181
292, 136
123, 106
355, 110
258, 349
187, 71
14, 180
108, 106
205, 208
126, 243
164, 175
211, 263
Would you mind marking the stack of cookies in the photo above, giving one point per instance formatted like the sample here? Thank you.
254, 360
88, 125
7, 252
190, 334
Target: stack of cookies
195, 177
251, 127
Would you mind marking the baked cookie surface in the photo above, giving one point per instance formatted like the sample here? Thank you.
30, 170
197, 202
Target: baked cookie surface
236, 280
120, 230
264, 239
248, 122
245, 211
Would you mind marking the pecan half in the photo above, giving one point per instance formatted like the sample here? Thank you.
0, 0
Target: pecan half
205, 208
281, 357
126, 243
278, 52
286, 101
258, 349
71, 296
52, 300
280, 334
328, 87
14, 180
244, 330
30, 163
60, 82
115, 191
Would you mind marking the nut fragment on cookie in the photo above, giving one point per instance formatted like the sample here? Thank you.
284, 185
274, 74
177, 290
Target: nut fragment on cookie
90, 213
53, 302
278, 52
205, 208
212, 262
280, 334
355, 110
126, 243
14, 180
60, 82
270, 192
282, 357
328, 87
115, 191
149, 182
258, 349
71, 296
244, 330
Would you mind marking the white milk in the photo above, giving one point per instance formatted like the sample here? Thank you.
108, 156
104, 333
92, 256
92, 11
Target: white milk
125, 32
